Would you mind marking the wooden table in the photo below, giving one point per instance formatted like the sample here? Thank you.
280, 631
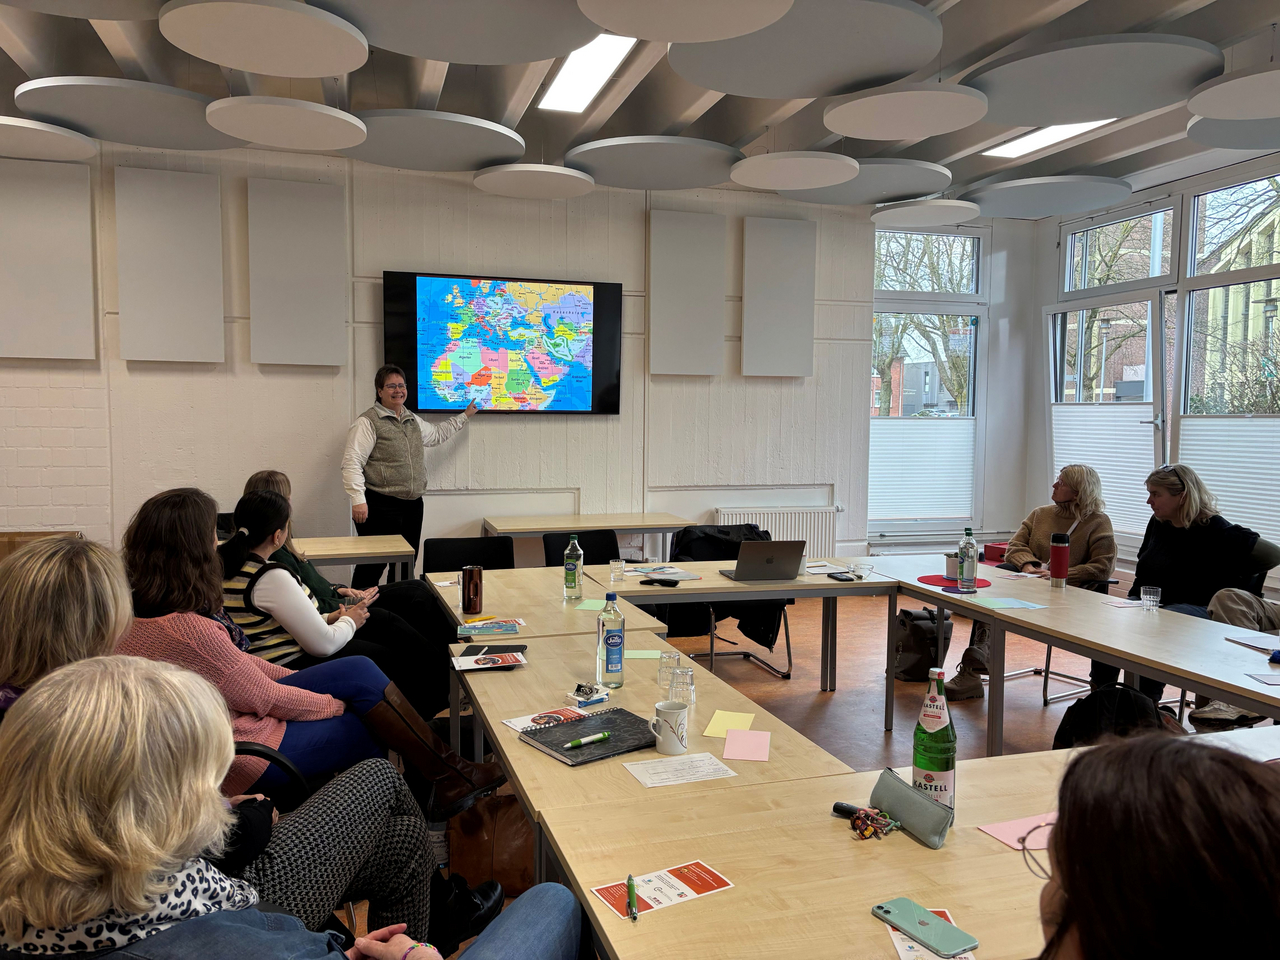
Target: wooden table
663, 523
717, 588
1185, 651
803, 887
556, 664
329, 551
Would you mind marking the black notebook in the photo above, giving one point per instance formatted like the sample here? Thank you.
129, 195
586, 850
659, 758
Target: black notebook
627, 732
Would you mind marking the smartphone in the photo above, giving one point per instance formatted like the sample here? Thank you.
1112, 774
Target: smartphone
927, 929
843, 577
659, 582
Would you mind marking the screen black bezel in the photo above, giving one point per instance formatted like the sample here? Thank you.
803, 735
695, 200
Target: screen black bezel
400, 335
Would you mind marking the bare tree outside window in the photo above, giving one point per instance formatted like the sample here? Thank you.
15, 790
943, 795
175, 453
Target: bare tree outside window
1232, 227
1135, 249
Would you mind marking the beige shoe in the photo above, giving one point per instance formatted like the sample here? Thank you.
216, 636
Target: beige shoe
965, 685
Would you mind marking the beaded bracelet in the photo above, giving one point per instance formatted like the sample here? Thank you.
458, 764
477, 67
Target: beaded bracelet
405, 955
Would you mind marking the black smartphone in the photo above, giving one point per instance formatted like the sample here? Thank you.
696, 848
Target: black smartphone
843, 577
659, 582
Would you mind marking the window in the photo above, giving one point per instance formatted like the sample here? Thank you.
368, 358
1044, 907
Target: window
1235, 228
926, 262
1234, 350
1135, 249
922, 364
1102, 354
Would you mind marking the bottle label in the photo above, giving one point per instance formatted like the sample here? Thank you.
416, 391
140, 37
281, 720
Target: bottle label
939, 784
613, 651
934, 714
571, 573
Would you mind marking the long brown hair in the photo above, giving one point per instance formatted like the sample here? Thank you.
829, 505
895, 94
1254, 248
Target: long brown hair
1147, 828
170, 553
277, 482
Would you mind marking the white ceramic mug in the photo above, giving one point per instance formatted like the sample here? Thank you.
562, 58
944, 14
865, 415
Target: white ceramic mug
953, 568
669, 725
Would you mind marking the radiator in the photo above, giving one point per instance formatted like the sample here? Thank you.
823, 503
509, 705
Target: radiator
815, 525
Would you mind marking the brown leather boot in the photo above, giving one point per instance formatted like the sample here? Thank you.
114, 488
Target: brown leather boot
458, 783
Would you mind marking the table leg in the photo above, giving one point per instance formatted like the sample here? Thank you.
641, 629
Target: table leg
995, 691
890, 660
829, 622
539, 853
477, 736
711, 637
1131, 679
455, 712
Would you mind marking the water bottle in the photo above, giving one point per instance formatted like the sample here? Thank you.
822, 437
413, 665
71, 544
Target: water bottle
933, 760
611, 644
573, 570
968, 562
1059, 558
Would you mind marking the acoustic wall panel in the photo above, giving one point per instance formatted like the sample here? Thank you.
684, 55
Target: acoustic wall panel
299, 274
686, 293
46, 261
779, 276
169, 264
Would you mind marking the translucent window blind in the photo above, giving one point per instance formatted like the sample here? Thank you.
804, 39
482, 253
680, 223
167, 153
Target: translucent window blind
921, 468
1236, 458
1110, 438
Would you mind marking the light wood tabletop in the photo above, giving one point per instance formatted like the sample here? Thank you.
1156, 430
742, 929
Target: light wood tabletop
557, 664
354, 549
578, 522
535, 595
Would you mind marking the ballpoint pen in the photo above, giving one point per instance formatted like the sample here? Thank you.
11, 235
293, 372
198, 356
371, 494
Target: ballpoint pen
479, 619
594, 738
632, 910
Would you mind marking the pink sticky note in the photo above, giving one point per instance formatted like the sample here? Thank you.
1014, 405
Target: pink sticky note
1011, 831
746, 745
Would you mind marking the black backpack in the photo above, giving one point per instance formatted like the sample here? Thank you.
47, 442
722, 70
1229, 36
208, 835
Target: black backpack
1114, 709
916, 643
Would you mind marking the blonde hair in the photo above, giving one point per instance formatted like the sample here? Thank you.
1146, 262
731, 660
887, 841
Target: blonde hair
1088, 487
61, 600
277, 482
112, 768
1198, 504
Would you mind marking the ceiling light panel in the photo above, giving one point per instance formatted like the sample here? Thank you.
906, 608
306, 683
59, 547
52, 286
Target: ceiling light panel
1046, 137
585, 72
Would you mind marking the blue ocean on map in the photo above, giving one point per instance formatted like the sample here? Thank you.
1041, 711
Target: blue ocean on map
506, 344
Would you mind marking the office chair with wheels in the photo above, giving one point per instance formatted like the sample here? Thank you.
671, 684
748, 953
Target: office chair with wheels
598, 546
444, 554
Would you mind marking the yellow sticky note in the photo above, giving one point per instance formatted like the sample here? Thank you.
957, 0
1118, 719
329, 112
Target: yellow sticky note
725, 720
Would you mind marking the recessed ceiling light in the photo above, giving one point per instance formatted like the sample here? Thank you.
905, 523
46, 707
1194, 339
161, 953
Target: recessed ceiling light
1038, 139
584, 72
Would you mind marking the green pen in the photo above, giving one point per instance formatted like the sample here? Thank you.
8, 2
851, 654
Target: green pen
596, 738
633, 911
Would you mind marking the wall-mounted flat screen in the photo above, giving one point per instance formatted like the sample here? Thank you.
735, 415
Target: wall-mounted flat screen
511, 345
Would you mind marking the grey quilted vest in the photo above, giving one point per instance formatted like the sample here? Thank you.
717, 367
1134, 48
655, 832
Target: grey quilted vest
396, 466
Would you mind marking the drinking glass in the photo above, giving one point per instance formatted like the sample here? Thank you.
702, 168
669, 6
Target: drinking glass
861, 569
617, 569
667, 663
1150, 598
682, 686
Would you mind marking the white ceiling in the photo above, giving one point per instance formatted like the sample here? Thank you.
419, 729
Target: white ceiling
646, 97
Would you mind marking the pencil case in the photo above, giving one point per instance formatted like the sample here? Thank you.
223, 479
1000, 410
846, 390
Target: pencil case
923, 817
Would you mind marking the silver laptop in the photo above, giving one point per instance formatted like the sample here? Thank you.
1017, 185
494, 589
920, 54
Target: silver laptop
767, 560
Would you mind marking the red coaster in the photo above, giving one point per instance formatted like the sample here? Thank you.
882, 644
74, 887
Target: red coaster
938, 580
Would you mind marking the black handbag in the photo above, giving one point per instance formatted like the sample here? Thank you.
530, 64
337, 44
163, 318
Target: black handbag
917, 645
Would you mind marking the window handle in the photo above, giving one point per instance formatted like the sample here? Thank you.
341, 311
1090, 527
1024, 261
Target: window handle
1158, 421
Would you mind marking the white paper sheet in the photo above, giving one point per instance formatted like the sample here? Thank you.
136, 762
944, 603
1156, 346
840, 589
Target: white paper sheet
669, 771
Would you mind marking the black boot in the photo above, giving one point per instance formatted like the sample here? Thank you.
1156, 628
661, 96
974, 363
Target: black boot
459, 912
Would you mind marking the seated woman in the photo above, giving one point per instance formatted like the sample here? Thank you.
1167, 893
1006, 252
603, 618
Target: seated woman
1134, 815
403, 615
1076, 510
176, 576
1190, 552
282, 620
134, 751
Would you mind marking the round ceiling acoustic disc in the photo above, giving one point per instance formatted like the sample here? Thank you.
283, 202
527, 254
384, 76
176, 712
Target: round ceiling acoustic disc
794, 170
279, 38
533, 181
433, 140
818, 48
654, 163
915, 214
684, 21
905, 111
1094, 78
288, 124
1242, 95
23, 139
880, 181
1037, 197
1235, 134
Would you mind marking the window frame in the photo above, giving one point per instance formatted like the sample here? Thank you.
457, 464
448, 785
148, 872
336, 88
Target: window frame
1068, 228
982, 234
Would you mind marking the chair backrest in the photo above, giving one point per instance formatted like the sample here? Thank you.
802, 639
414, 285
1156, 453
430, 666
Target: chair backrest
442, 554
598, 546
226, 526
707, 542
11, 541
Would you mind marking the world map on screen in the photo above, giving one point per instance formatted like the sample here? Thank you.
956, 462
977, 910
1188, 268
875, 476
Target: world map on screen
506, 344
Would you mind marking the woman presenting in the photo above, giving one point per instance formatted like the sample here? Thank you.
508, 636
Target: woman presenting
383, 468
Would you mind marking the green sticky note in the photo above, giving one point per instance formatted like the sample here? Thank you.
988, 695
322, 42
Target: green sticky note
641, 654
590, 605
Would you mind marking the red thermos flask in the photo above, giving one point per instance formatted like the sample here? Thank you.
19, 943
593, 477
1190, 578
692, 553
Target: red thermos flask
1059, 558
472, 589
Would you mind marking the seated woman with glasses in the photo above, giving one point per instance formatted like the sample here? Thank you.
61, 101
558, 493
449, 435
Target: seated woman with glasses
1137, 820
1190, 552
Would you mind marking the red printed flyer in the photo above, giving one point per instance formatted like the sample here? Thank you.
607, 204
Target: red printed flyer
664, 888
488, 661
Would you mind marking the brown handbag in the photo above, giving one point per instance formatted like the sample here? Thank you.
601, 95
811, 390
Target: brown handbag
493, 840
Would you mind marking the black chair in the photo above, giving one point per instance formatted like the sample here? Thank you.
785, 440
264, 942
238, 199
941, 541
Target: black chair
759, 620
598, 546
445, 554
226, 526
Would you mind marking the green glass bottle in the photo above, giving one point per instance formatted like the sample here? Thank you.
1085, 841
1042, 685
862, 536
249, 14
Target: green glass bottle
933, 762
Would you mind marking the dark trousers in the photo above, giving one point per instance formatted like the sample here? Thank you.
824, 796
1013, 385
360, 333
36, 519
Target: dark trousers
415, 664
387, 517
1100, 672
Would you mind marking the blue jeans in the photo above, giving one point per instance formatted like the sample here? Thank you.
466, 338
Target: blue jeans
320, 747
1105, 673
545, 923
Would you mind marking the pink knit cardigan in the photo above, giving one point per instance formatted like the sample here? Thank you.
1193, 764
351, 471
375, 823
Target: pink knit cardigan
259, 705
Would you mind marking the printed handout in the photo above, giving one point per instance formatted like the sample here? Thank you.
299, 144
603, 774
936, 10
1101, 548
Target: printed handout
664, 888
